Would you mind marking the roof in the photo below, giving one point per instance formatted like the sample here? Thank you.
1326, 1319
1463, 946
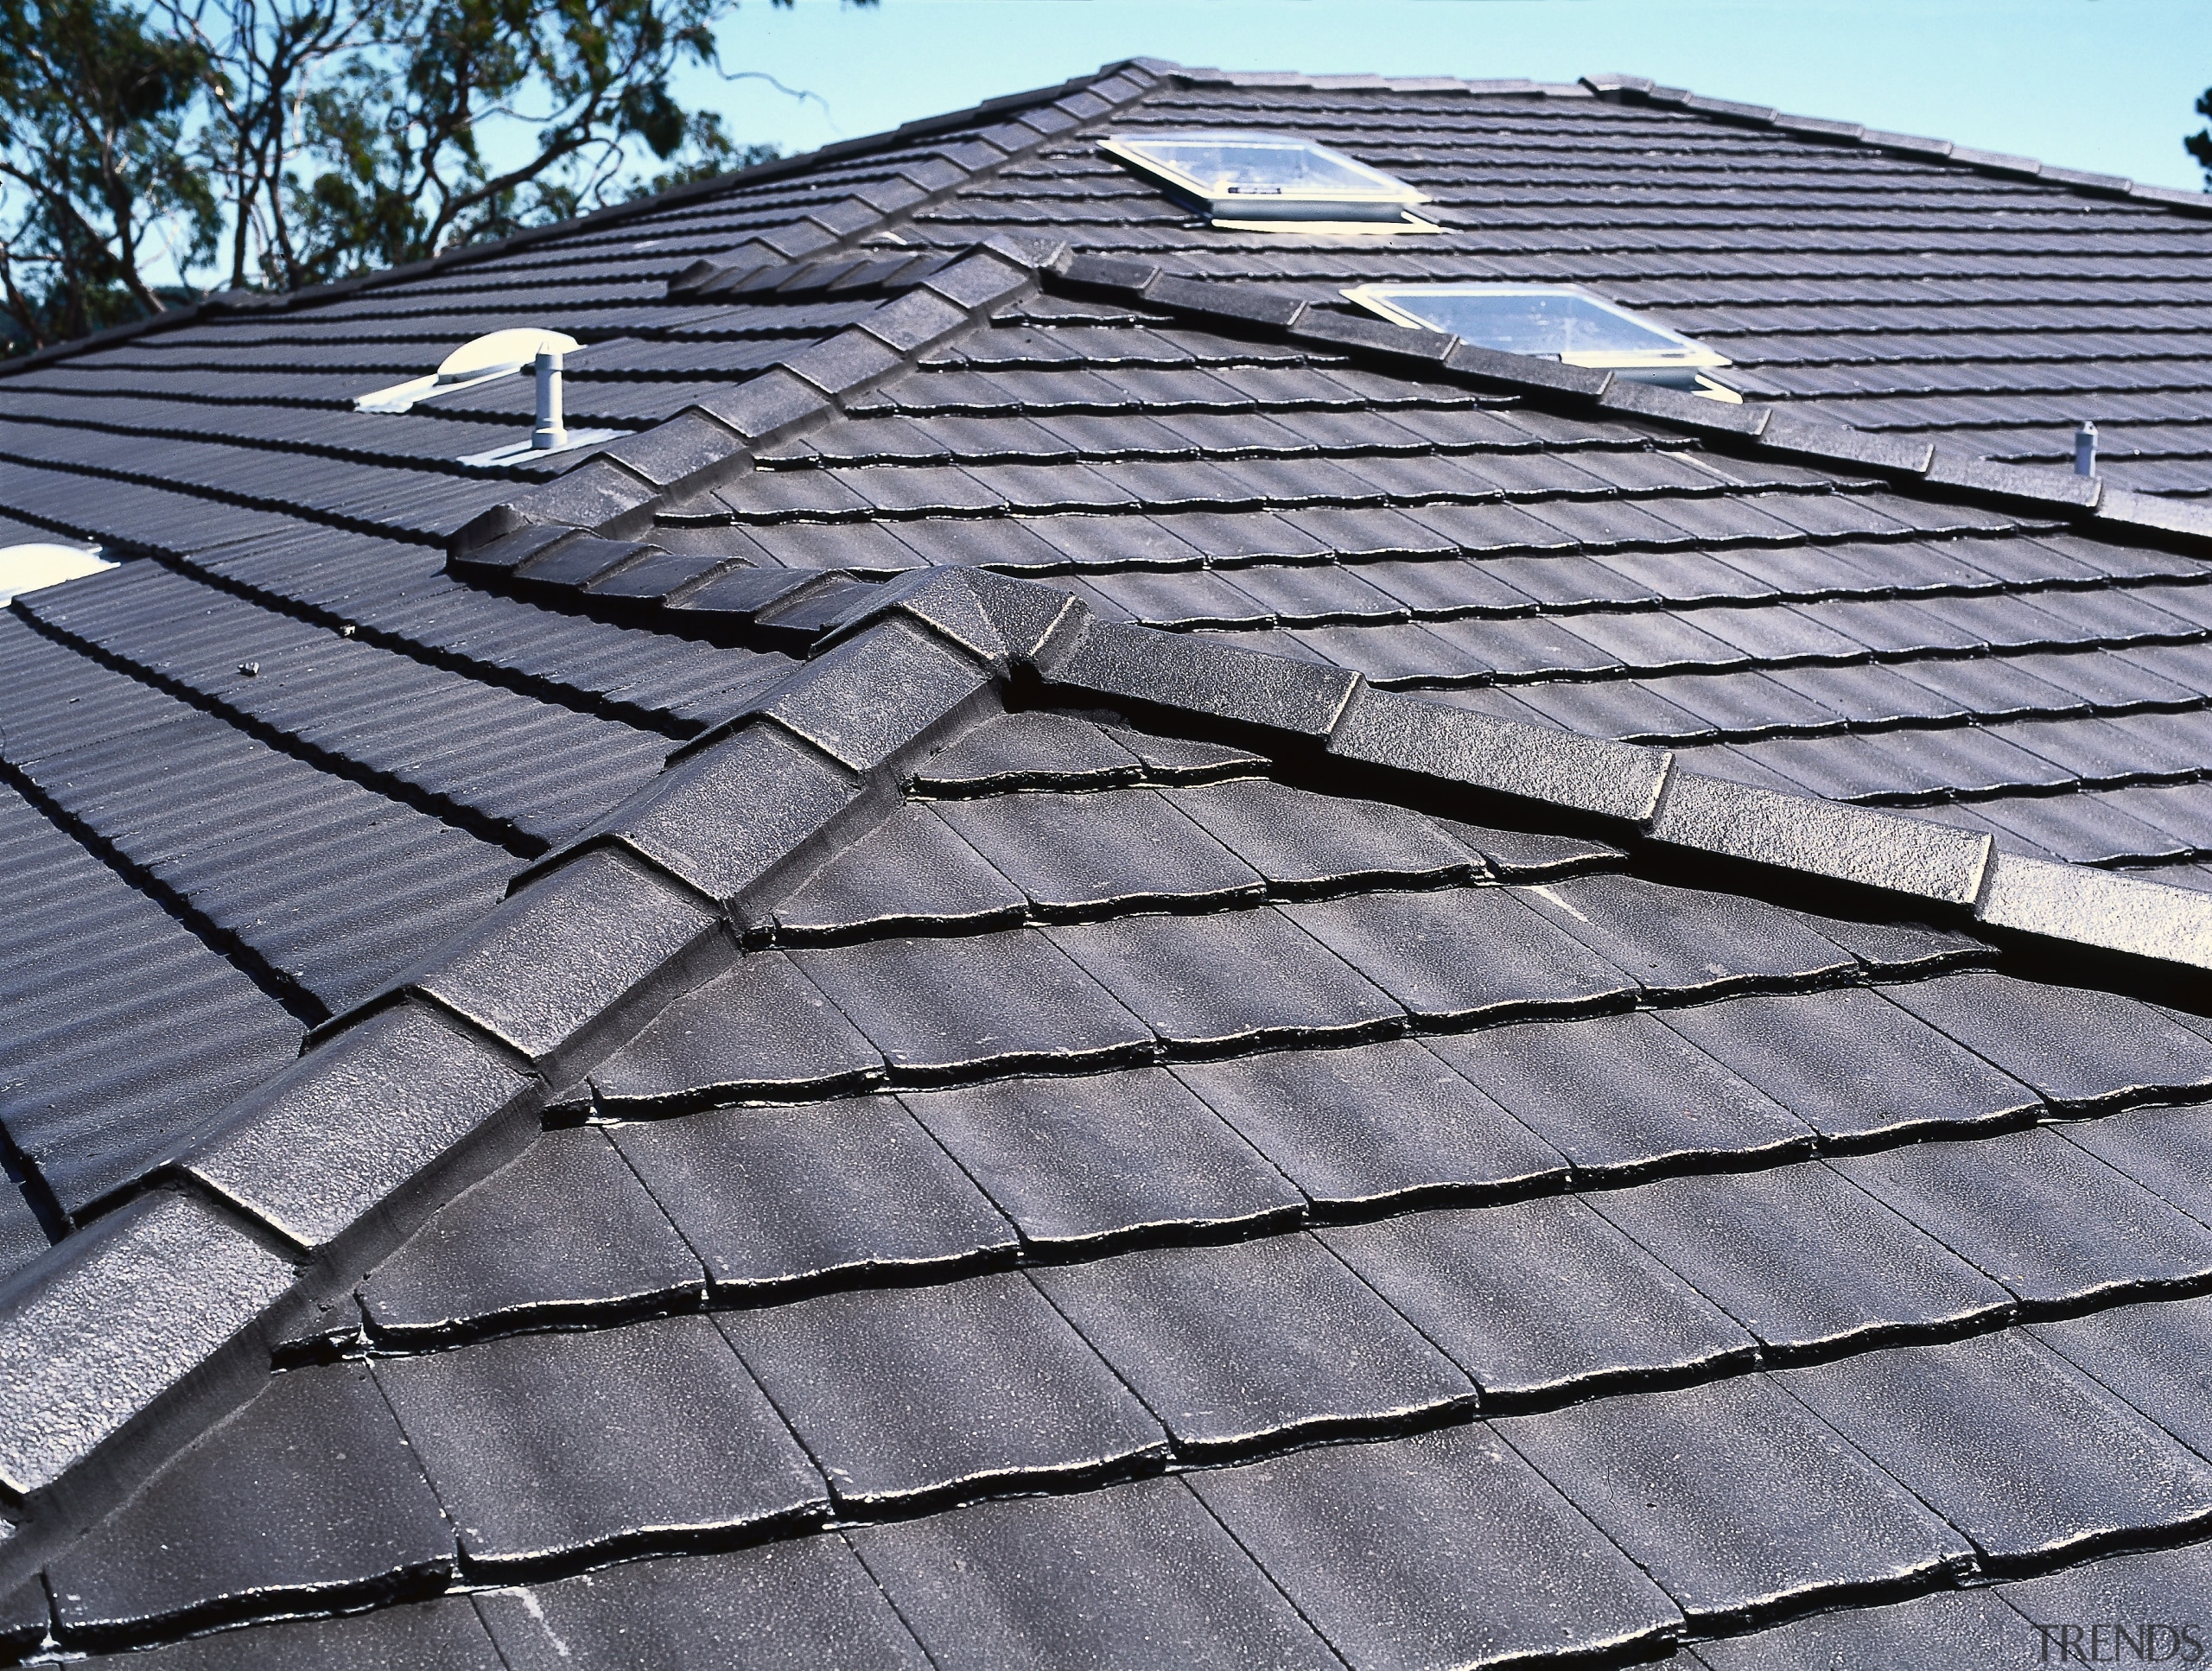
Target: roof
974, 999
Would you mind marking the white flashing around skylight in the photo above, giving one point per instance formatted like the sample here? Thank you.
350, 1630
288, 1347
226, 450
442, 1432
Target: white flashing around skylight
29, 567
1551, 321
1251, 182
495, 354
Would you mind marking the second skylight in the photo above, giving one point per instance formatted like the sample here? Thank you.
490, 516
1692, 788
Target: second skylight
1556, 321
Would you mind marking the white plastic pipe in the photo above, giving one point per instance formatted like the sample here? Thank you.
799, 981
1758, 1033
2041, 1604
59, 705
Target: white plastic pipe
2085, 450
550, 432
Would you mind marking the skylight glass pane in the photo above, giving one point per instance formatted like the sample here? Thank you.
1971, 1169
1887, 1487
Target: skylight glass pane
1556, 321
1260, 176
1226, 167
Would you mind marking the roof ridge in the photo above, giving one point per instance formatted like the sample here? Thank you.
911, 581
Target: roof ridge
224, 302
257, 1230
1640, 89
1621, 89
615, 491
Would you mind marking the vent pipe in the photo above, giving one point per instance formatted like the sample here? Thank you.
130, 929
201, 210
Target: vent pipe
549, 433
2085, 449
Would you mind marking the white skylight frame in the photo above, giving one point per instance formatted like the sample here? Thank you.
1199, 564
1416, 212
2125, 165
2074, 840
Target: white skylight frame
1370, 201
1683, 354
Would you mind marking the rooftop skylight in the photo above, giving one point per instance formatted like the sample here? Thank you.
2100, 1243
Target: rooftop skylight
496, 354
29, 567
1260, 180
1556, 321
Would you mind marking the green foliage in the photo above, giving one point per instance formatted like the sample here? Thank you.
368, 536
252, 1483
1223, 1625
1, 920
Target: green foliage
94, 106
2199, 144
276, 143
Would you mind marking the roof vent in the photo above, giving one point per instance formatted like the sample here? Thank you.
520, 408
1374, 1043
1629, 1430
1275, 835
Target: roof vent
1271, 182
493, 355
548, 434
1553, 322
27, 568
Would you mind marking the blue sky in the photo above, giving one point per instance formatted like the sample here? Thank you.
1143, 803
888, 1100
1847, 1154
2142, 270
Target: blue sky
2106, 85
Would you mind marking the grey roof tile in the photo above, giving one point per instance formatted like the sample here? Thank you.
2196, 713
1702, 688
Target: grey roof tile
781, 1607
1108, 1579
1854, 1066
1035, 749
2043, 1216
1099, 1158
1301, 841
774, 1197
2129, 1049
1541, 1297
1675, 939
1239, 978
2138, 1588
1463, 954
2153, 1356
1621, 1092
1118, 850
2167, 1150
1734, 1497
758, 1029
1254, 1341
308, 1498
446, 1632
933, 1006
564, 1226
544, 1446
904, 1393
1801, 1257
912, 873
1445, 1548
1955, 1627
2011, 1444
1373, 1123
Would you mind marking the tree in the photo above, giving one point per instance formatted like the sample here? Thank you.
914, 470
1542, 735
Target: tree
92, 171
2199, 144
276, 143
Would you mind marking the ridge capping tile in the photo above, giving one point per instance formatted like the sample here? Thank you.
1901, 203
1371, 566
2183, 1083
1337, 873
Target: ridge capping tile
1146, 666
1823, 838
1397, 342
553, 965
995, 618
2101, 908
1117, 276
162, 1313
727, 815
2015, 484
2118, 508
871, 698
1683, 409
1796, 436
360, 1138
1236, 303
1493, 366
1622, 781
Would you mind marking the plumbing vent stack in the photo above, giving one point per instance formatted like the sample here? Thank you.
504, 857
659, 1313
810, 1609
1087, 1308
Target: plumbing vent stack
2085, 449
550, 432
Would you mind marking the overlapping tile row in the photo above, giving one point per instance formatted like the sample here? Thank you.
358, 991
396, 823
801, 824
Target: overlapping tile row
1595, 1409
124, 1029
1898, 293
248, 404
525, 774
1795, 627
